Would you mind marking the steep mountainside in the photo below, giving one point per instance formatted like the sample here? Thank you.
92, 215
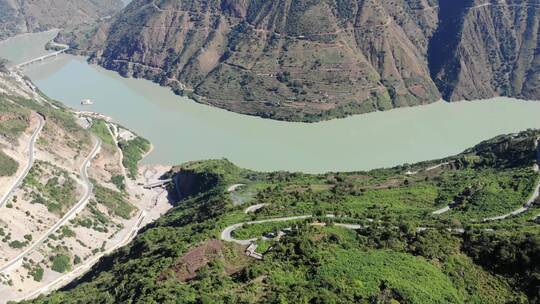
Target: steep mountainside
495, 53
22, 16
362, 237
292, 60
70, 189
313, 60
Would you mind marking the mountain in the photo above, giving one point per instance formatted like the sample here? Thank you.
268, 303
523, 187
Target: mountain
25, 16
239, 236
70, 188
495, 53
305, 60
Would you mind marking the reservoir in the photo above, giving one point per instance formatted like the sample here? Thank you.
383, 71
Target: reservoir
182, 130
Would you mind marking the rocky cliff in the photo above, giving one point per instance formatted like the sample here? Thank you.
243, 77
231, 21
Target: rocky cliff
495, 51
308, 60
22, 16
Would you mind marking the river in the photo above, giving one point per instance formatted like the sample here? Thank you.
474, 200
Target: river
182, 130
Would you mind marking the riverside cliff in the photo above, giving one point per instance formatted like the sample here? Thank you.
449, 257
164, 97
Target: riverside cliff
317, 60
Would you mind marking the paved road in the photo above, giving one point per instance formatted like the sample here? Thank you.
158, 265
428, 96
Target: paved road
436, 166
234, 187
525, 207
65, 279
226, 234
254, 208
73, 211
441, 211
29, 165
427, 169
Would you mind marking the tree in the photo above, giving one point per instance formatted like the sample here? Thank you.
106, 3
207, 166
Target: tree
61, 263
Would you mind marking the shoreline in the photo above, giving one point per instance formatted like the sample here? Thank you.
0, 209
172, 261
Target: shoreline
356, 143
28, 34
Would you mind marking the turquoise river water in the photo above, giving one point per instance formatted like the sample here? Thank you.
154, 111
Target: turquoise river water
182, 130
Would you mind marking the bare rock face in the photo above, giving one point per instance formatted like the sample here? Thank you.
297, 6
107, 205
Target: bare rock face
307, 60
495, 52
21, 16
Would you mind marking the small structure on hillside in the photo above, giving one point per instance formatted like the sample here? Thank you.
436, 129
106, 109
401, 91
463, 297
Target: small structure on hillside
251, 252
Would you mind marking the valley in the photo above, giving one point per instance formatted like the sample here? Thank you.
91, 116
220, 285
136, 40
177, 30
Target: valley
369, 141
116, 189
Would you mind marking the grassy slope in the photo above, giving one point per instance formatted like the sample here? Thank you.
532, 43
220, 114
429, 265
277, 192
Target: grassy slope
114, 201
390, 260
134, 151
100, 129
15, 119
8, 166
54, 187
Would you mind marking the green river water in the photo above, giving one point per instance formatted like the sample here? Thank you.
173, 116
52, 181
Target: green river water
182, 130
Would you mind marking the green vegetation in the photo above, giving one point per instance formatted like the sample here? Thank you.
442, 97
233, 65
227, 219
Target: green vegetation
119, 182
133, 152
256, 230
37, 273
114, 201
66, 232
98, 220
403, 253
15, 119
54, 187
8, 166
61, 263
100, 129
17, 244
371, 272
58, 117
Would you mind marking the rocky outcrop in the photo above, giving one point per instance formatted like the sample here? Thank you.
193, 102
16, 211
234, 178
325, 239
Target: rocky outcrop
495, 52
189, 183
306, 60
22, 16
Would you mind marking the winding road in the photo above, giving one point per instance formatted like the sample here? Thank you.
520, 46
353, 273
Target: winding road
234, 187
254, 208
226, 234
73, 211
441, 211
525, 207
30, 163
66, 278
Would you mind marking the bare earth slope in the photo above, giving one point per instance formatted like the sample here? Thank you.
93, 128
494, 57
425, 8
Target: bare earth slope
313, 60
65, 196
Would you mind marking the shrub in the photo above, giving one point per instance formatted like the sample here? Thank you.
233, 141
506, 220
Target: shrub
61, 263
